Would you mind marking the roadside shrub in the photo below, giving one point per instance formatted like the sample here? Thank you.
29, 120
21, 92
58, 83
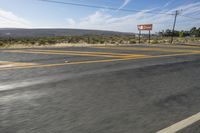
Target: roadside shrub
102, 41
32, 42
51, 41
42, 42
132, 42
1, 44
154, 42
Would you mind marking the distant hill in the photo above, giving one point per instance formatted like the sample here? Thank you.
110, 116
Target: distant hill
15, 33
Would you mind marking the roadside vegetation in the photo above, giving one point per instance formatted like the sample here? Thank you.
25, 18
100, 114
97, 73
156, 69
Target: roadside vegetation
181, 37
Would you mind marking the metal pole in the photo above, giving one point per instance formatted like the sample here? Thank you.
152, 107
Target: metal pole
149, 36
139, 35
172, 37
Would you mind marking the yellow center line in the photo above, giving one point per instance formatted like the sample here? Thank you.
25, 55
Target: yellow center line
82, 52
50, 53
107, 54
75, 53
98, 61
150, 49
169, 46
179, 46
71, 63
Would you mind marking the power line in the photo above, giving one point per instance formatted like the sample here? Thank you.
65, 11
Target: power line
112, 8
102, 7
190, 17
177, 13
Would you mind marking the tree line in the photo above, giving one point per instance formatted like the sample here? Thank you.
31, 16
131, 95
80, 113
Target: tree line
193, 32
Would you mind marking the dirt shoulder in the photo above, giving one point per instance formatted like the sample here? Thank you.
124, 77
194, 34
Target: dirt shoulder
92, 45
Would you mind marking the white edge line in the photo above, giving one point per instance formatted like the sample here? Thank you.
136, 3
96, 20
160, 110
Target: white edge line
182, 124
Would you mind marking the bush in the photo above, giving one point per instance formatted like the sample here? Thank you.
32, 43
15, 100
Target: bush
51, 41
132, 42
42, 42
102, 41
32, 42
154, 42
1, 44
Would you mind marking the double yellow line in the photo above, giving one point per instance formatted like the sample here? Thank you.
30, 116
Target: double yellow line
153, 49
113, 56
94, 61
76, 53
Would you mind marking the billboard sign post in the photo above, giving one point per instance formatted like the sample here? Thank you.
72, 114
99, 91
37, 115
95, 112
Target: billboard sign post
147, 27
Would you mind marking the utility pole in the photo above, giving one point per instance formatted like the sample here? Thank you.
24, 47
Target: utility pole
172, 37
149, 36
139, 35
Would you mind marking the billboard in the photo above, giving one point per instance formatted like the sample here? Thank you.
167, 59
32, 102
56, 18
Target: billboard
145, 27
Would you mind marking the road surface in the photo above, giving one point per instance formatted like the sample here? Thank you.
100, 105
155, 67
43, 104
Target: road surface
139, 89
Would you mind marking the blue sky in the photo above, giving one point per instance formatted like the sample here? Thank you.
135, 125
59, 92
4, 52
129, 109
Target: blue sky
38, 14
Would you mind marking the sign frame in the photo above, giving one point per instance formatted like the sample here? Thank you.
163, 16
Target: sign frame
146, 27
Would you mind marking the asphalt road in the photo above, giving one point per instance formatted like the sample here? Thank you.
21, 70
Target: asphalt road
135, 89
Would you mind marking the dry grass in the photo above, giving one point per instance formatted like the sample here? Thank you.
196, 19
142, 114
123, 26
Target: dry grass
62, 45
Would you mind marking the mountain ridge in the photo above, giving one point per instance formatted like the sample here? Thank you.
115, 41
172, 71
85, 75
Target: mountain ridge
50, 32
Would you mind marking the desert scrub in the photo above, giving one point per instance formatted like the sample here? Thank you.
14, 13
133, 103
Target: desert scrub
1, 44
154, 42
132, 42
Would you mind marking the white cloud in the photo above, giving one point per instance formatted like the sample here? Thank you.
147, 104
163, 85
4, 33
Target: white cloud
124, 4
168, 3
71, 21
102, 20
10, 20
